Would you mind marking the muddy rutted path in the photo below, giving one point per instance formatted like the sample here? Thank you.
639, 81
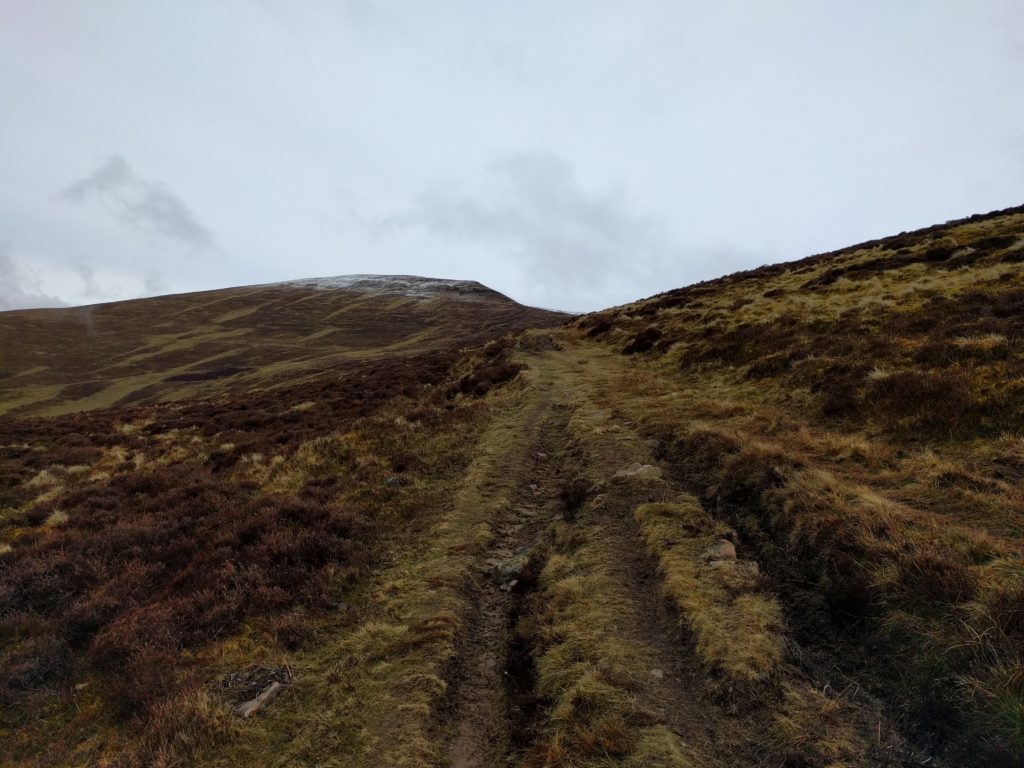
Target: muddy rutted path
596, 630
492, 701
568, 650
568, 647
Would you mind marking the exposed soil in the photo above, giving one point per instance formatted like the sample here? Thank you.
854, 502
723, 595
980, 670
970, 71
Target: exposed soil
491, 704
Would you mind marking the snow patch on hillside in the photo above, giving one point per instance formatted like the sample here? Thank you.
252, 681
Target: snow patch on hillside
403, 285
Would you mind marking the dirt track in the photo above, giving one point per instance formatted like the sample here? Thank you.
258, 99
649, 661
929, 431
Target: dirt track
489, 717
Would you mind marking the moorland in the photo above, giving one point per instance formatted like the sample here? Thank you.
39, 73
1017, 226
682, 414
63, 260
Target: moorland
769, 519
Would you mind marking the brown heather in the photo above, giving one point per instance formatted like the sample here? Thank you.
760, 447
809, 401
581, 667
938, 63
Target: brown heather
177, 533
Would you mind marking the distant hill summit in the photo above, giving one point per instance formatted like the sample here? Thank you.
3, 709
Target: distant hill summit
199, 344
405, 285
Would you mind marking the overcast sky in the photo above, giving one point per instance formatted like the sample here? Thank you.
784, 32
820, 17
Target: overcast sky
573, 155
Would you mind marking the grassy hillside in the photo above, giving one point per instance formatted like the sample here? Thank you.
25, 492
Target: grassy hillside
856, 417
772, 519
161, 564
193, 345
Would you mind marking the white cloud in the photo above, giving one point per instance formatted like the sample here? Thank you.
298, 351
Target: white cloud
20, 288
572, 248
681, 140
140, 204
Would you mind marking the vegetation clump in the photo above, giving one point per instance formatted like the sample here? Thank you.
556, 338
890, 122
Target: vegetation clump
737, 626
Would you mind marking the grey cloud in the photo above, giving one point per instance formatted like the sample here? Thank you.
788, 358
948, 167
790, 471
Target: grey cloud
19, 287
155, 284
140, 204
89, 289
572, 244
738, 134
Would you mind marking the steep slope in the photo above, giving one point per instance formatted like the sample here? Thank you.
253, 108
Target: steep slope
174, 347
878, 334
856, 417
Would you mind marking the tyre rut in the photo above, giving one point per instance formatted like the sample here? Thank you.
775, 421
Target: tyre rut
487, 716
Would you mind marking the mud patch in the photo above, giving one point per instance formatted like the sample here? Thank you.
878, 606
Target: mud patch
521, 696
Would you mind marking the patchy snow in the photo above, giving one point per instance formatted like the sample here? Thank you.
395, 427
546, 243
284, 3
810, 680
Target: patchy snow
403, 285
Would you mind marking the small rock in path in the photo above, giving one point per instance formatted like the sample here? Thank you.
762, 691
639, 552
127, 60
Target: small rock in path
723, 549
640, 472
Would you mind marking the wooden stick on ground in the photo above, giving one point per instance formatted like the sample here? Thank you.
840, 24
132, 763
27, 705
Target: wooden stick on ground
250, 708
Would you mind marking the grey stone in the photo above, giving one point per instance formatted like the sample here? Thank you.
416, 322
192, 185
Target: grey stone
640, 472
723, 549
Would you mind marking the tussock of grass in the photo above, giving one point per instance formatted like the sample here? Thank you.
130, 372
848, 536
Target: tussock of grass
182, 728
587, 674
736, 625
1000, 692
590, 675
957, 590
812, 729
658, 746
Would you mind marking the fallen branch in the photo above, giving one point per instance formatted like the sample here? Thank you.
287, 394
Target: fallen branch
250, 708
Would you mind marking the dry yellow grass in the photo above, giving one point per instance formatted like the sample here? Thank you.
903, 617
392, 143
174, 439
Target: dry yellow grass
855, 418
813, 729
589, 671
738, 628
